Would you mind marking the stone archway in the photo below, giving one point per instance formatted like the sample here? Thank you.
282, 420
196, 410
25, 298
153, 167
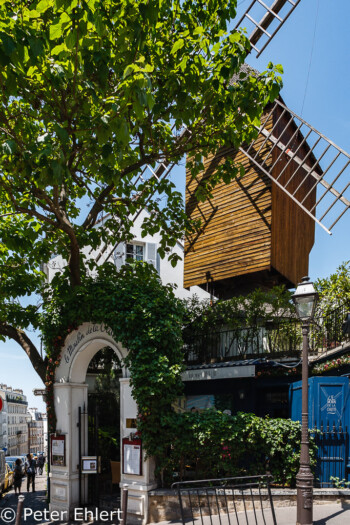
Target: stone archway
70, 393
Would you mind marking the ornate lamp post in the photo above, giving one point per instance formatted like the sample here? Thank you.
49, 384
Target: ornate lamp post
305, 299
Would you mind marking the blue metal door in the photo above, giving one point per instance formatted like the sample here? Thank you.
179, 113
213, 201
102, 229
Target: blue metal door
329, 408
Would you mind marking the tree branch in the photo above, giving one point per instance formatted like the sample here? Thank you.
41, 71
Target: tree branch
30, 349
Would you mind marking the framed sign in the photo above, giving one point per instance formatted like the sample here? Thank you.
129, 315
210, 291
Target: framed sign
58, 450
132, 456
90, 465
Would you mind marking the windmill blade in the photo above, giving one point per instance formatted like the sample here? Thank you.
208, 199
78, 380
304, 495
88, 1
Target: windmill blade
260, 16
154, 177
161, 171
323, 193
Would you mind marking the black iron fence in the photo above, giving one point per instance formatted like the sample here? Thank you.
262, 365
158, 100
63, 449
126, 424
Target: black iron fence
327, 332
243, 500
274, 338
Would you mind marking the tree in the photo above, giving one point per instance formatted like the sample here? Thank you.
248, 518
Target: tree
334, 291
92, 92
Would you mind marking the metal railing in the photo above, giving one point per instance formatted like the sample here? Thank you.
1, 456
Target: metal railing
243, 500
275, 338
327, 332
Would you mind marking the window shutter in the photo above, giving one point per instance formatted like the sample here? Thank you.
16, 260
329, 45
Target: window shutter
152, 254
158, 263
119, 255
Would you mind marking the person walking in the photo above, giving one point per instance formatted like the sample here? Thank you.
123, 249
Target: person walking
17, 476
41, 462
30, 468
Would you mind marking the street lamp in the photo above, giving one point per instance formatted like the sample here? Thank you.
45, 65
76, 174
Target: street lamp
305, 299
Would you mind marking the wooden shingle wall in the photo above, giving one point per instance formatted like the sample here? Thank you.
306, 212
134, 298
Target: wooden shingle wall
235, 238
250, 228
293, 231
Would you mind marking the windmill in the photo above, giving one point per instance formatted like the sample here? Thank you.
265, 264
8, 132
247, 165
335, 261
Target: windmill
285, 140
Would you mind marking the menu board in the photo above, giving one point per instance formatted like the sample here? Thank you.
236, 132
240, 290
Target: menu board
90, 465
132, 457
58, 450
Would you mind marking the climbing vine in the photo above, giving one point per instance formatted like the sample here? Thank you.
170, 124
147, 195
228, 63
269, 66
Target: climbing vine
147, 319
143, 315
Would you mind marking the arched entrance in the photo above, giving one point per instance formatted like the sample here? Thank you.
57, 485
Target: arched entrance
70, 396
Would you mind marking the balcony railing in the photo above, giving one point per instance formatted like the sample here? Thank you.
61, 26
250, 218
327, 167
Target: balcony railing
274, 339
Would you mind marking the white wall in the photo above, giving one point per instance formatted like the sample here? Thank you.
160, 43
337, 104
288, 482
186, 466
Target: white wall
168, 274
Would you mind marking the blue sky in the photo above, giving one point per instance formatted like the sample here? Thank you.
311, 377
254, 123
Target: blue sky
313, 47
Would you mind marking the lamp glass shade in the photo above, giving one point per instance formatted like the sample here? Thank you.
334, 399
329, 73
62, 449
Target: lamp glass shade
304, 308
305, 299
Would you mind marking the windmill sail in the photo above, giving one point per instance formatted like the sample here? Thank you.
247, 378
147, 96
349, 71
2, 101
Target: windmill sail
264, 21
149, 178
288, 138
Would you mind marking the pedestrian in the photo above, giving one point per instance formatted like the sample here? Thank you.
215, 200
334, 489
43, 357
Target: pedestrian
17, 475
41, 462
30, 468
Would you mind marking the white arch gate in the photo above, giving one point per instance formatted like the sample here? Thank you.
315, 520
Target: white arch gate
70, 393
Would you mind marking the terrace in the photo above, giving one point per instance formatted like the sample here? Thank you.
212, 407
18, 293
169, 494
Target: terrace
276, 338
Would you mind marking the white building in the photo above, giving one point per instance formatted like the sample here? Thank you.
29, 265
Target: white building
3, 421
36, 431
139, 249
17, 428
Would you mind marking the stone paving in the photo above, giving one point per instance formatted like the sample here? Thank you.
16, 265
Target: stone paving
33, 501
35, 511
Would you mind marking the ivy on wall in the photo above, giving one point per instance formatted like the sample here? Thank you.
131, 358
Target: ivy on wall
146, 318
143, 315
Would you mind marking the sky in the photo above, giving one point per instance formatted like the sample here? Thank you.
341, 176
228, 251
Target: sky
314, 48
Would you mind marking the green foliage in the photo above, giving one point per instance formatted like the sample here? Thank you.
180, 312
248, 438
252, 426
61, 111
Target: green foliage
334, 290
143, 315
248, 318
339, 483
90, 92
254, 309
211, 444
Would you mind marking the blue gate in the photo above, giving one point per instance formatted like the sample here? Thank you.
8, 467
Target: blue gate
332, 455
329, 416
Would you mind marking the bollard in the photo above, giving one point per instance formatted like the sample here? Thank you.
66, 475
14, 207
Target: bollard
19, 510
124, 504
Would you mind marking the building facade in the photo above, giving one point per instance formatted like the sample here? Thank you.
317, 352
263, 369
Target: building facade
3, 422
36, 432
14, 421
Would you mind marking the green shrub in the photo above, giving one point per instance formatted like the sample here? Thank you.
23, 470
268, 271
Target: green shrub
212, 444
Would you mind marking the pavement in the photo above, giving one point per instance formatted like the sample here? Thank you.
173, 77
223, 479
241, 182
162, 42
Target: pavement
337, 514
35, 512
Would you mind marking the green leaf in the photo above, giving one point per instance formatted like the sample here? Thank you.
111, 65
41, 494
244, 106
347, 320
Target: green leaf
8, 44
43, 6
178, 45
58, 49
9, 147
36, 46
56, 31
61, 133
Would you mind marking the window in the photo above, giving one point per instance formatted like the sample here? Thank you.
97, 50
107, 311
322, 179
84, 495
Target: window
134, 252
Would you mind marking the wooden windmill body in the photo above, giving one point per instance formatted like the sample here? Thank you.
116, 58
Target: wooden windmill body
252, 234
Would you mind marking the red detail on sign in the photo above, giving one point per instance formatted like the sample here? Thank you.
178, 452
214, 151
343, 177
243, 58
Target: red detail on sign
0, 404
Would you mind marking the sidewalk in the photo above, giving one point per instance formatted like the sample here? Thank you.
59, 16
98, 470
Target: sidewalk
335, 514
33, 501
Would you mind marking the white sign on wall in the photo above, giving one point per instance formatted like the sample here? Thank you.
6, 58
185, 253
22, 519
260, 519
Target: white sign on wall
227, 372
